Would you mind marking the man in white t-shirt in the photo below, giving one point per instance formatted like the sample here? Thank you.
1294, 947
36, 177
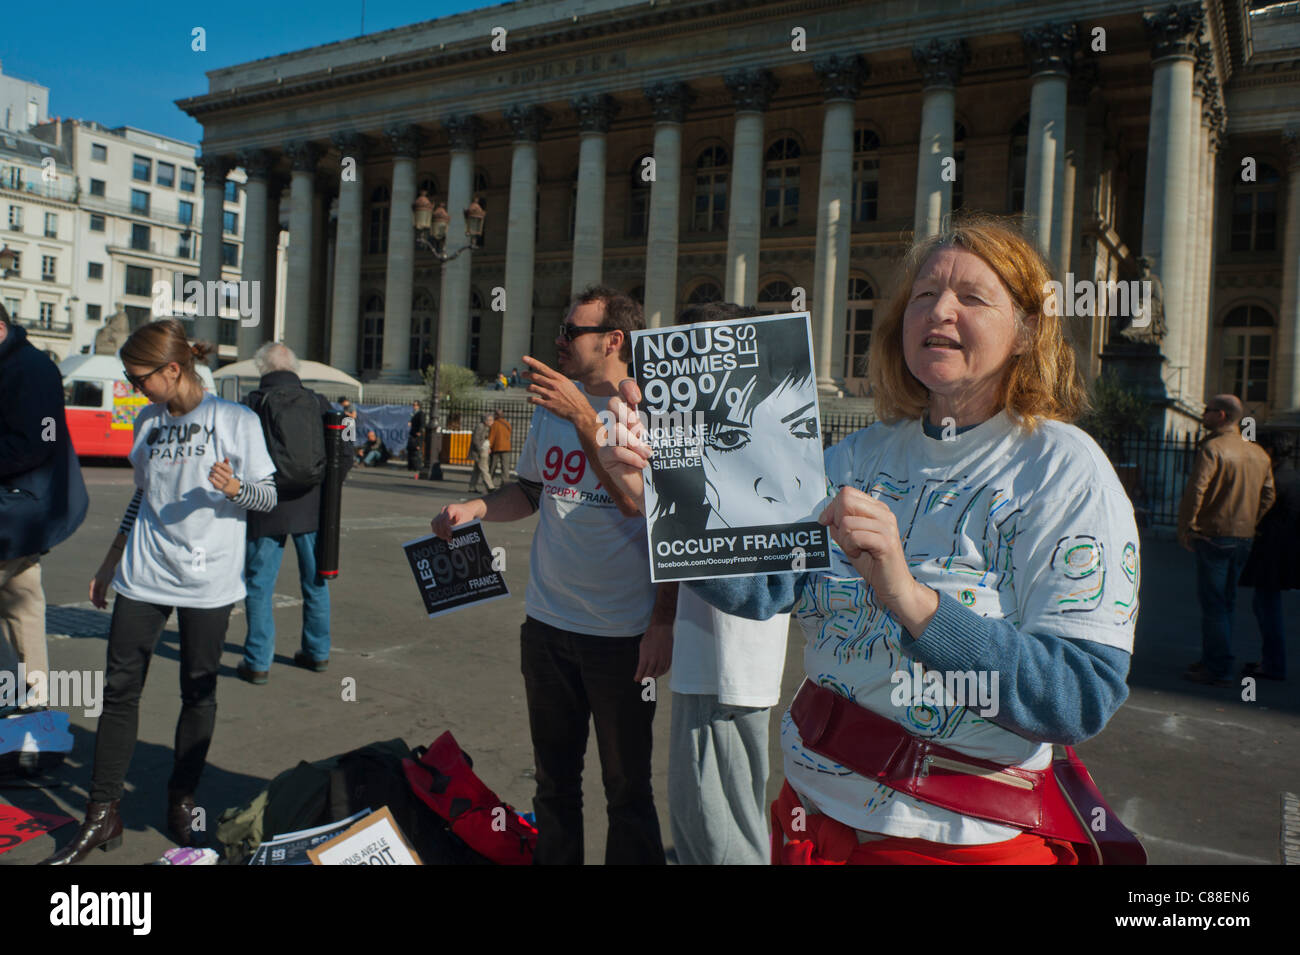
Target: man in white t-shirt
589, 651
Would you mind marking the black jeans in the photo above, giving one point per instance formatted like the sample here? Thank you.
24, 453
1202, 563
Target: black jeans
132, 637
570, 678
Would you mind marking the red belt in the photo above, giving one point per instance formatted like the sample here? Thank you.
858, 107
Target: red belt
877, 748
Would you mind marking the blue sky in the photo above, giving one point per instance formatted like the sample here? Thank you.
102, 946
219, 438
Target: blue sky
125, 64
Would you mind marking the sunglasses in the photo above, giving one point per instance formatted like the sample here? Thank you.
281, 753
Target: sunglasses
569, 331
138, 381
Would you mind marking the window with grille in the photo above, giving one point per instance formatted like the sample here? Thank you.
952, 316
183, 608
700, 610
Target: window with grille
1254, 211
379, 205
638, 200
866, 175
1247, 352
781, 184
710, 206
857, 327
372, 334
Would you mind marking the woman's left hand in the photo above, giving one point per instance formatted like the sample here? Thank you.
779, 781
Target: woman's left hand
222, 477
867, 532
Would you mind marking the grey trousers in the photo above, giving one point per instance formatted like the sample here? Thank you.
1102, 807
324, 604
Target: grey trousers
717, 782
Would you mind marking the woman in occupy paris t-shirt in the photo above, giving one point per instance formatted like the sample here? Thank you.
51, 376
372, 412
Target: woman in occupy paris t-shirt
200, 463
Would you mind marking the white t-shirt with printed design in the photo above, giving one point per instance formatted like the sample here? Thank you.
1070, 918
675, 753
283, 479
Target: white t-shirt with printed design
1034, 529
589, 566
186, 548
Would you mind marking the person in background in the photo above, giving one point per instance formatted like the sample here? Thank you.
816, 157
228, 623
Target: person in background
415, 441
345, 405
201, 463
1229, 490
514, 378
1273, 565
42, 497
296, 515
499, 440
373, 452
480, 448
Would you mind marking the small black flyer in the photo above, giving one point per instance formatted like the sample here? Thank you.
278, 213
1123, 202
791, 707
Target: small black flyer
453, 574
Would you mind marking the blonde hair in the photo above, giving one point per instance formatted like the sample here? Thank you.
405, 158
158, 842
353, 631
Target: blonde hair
1041, 382
163, 342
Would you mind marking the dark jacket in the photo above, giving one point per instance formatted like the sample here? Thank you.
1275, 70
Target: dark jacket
297, 515
1274, 560
42, 496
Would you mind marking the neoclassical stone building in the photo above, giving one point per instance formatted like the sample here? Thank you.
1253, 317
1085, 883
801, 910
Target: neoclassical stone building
759, 150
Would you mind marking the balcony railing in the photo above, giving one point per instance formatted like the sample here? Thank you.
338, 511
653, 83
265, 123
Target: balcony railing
38, 327
124, 208
63, 188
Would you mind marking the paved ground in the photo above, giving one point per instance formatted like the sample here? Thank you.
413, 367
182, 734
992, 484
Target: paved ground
1199, 773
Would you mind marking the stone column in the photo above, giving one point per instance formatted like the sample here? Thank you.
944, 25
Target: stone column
1082, 84
297, 293
257, 264
1195, 272
669, 102
940, 63
273, 292
751, 91
841, 78
1173, 35
1288, 326
1214, 133
1049, 49
344, 345
215, 169
453, 300
527, 122
405, 143
595, 110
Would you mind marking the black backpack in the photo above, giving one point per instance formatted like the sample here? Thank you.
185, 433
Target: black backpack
295, 436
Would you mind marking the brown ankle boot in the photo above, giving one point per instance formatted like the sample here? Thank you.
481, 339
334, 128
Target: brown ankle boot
101, 830
180, 818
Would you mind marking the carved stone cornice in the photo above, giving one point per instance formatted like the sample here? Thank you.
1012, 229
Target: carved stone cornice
595, 111
1291, 145
463, 130
1204, 70
527, 121
257, 163
751, 89
349, 142
1083, 80
304, 155
1218, 127
405, 140
1210, 99
841, 76
669, 101
215, 168
1049, 47
940, 61
1175, 30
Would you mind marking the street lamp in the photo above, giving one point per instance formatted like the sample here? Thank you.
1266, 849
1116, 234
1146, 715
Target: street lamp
431, 223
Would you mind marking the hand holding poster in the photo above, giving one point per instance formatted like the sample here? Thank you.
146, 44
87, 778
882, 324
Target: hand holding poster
452, 574
737, 478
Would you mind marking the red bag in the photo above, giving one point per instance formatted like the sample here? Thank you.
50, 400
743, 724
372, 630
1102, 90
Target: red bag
444, 780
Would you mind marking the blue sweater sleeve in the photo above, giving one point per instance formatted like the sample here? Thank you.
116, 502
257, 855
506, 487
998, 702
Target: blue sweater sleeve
1054, 689
755, 598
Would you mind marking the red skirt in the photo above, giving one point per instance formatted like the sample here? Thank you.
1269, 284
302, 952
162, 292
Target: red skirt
803, 838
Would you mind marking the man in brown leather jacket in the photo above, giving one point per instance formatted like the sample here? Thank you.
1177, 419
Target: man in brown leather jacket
1229, 490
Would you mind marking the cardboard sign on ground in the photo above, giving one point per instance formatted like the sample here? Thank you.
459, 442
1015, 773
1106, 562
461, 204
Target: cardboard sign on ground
375, 840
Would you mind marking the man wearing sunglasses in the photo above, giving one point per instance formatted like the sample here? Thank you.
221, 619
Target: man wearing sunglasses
588, 652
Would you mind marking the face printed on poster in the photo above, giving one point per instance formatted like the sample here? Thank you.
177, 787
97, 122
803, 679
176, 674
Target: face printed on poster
737, 477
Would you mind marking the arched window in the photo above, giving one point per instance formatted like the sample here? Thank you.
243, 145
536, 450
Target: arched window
372, 334
1247, 352
711, 189
1019, 163
705, 292
638, 200
1254, 211
781, 184
857, 328
776, 297
379, 208
424, 324
475, 327
866, 175
959, 161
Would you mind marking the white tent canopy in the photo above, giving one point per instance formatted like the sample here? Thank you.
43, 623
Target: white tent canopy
236, 380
